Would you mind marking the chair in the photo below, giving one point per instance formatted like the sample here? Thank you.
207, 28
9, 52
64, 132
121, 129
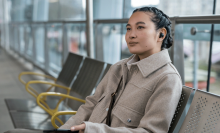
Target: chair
181, 107
64, 80
90, 71
65, 77
203, 115
83, 85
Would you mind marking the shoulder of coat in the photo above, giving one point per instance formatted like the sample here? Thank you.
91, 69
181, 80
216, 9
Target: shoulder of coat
169, 69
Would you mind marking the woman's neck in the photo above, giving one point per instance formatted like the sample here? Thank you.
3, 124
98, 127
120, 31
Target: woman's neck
147, 54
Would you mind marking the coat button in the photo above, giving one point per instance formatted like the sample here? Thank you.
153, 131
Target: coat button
129, 120
106, 109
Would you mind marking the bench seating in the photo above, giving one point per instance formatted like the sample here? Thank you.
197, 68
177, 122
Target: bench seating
203, 115
34, 117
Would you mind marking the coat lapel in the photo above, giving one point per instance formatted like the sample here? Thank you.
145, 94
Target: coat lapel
124, 79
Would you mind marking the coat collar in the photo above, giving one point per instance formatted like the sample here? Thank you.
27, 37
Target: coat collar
151, 63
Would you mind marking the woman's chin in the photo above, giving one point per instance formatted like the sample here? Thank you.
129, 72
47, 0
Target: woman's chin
134, 51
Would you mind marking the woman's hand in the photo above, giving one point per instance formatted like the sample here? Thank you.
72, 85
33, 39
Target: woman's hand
79, 128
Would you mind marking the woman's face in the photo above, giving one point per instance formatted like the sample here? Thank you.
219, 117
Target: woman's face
141, 36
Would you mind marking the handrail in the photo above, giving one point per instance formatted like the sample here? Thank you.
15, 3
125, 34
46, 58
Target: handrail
211, 19
178, 19
43, 22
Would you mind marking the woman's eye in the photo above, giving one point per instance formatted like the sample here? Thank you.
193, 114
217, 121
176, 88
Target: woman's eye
140, 27
128, 28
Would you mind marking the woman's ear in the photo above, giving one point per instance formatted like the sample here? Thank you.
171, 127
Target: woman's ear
162, 34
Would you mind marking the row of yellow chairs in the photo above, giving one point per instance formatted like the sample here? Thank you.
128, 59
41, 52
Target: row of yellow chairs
75, 66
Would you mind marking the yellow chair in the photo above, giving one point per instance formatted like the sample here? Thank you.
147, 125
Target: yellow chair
87, 79
68, 72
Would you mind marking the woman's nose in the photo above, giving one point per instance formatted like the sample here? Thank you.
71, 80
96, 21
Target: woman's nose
132, 35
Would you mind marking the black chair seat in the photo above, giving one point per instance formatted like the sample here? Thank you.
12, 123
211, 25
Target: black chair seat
30, 120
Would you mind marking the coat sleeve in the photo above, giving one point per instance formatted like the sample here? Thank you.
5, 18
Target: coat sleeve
85, 110
159, 110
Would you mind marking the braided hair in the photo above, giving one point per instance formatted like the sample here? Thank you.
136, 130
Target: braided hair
160, 20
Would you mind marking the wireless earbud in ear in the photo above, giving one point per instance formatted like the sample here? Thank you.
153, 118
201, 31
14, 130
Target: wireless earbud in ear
161, 35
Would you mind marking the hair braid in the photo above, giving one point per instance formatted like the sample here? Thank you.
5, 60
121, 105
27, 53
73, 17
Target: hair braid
161, 20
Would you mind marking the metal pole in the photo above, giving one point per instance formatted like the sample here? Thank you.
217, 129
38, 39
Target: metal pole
89, 28
4, 23
13, 37
176, 51
195, 80
26, 35
18, 39
34, 50
122, 28
64, 43
46, 49
210, 50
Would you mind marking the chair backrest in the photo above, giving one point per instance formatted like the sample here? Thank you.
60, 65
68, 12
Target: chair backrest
106, 70
69, 70
86, 80
87, 77
186, 91
203, 115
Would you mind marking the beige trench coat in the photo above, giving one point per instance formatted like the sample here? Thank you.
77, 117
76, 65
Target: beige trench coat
145, 104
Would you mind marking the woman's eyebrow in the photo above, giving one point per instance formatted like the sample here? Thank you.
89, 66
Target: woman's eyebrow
136, 23
140, 23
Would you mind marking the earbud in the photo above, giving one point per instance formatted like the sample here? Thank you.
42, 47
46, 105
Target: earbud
161, 35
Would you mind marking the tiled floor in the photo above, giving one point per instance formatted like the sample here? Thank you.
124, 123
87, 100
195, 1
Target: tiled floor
10, 87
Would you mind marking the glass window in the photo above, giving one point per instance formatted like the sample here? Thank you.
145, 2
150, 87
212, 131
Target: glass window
39, 34
11, 33
67, 9
107, 9
21, 10
76, 38
215, 69
21, 41
29, 42
16, 38
172, 7
125, 53
54, 44
217, 9
196, 57
108, 42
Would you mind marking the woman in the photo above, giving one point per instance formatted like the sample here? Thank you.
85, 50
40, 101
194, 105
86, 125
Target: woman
150, 88
146, 86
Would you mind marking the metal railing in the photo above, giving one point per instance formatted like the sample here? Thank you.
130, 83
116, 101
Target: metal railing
176, 51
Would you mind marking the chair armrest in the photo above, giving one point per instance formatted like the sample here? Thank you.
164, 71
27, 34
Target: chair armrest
44, 82
37, 74
64, 96
60, 113
50, 111
33, 73
60, 95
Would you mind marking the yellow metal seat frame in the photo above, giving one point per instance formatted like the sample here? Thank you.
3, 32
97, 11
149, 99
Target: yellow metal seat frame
32, 91
41, 98
54, 112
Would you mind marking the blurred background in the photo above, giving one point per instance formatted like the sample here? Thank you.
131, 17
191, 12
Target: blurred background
44, 31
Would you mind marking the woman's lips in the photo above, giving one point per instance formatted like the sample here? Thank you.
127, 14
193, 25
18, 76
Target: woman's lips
133, 43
